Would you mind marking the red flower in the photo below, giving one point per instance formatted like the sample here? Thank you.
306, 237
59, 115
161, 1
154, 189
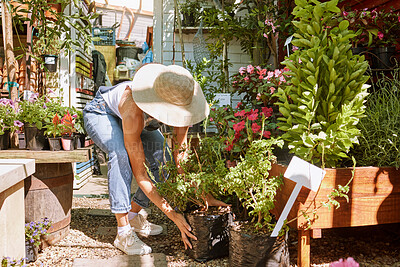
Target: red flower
240, 113
239, 126
252, 115
267, 111
56, 119
255, 127
267, 134
238, 104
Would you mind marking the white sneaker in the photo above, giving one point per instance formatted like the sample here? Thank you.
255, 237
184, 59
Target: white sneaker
144, 227
131, 244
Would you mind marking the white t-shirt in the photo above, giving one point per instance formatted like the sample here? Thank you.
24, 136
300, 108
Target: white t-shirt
112, 95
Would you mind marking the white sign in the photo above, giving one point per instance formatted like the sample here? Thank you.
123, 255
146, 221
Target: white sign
304, 174
222, 99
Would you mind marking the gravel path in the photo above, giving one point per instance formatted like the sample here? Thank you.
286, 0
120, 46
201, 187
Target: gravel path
92, 237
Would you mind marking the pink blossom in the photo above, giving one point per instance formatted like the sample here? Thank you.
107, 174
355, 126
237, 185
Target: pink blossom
282, 79
18, 123
349, 262
265, 35
272, 89
211, 119
246, 78
345, 13
270, 74
258, 97
252, 115
294, 48
380, 35
267, 111
398, 18
258, 69
239, 104
250, 69
262, 71
229, 148
278, 72
267, 134
242, 70
239, 126
240, 113
260, 77
255, 127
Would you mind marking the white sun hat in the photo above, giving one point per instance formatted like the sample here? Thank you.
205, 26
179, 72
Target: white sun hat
169, 94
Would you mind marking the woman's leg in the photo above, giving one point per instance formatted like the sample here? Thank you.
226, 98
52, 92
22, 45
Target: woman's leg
106, 132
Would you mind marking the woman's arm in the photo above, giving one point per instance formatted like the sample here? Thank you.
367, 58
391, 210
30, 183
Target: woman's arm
132, 124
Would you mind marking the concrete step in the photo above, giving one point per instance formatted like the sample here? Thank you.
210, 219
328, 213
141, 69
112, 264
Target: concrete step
149, 260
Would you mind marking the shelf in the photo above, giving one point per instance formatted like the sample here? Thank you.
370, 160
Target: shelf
191, 30
47, 156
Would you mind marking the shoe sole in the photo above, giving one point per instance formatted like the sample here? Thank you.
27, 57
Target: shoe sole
140, 253
146, 234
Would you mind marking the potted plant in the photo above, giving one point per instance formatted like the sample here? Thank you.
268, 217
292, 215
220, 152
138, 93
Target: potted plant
79, 125
54, 130
8, 122
67, 140
321, 105
250, 241
32, 113
188, 189
33, 233
190, 11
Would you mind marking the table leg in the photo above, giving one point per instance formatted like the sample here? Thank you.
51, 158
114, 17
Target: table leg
303, 248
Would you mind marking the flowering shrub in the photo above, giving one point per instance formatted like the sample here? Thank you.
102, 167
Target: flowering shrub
8, 116
67, 123
258, 84
349, 262
33, 110
374, 27
55, 128
34, 231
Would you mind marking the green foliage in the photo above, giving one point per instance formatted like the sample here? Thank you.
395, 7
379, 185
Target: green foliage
324, 99
8, 262
33, 110
8, 116
202, 172
54, 26
380, 135
251, 182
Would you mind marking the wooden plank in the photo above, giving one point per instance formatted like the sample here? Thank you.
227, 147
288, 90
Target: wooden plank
12, 171
46, 156
303, 251
316, 233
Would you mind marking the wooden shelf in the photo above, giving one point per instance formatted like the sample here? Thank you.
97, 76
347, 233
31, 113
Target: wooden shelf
191, 30
47, 156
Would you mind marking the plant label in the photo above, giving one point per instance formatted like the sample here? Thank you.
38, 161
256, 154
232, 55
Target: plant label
304, 174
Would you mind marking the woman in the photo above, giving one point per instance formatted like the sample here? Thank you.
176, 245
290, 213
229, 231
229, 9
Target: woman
123, 120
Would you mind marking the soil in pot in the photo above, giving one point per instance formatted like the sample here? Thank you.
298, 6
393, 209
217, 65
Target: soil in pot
250, 248
211, 230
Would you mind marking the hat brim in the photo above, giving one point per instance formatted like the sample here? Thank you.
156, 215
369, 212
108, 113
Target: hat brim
147, 99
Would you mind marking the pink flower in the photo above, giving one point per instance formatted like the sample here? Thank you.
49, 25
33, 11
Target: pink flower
380, 35
255, 127
250, 69
229, 148
262, 72
18, 123
345, 13
240, 113
398, 18
267, 134
349, 262
211, 119
265, 35
252, 115
282, 79
239, 104
246, 78
260, 77
272, 89
242, 70
277, 73
258, 97
267, 111
270, 74
239, 126
294, 48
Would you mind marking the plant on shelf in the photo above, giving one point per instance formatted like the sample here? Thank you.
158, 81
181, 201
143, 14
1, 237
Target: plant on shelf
190, 11
35, 230
55, 128
33, 111
324, 99
380, 135
8, 116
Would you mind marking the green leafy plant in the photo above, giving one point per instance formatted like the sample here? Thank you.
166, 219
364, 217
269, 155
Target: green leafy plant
33, 110
201, 173
324, 99
190, 11
250, 181
35, 230
8, 116
380, 136
55, 128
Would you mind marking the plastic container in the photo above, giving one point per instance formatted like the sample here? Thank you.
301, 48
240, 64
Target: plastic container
121, 73
128, 52
106, 36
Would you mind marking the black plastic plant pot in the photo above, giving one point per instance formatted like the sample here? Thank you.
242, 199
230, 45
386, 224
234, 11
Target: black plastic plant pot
50, 62
212, 234
55, 143
5, 140
34, 138
257, 249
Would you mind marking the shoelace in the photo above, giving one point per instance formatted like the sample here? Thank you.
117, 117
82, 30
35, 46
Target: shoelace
131, 239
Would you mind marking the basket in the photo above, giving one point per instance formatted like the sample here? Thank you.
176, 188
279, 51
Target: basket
106, 35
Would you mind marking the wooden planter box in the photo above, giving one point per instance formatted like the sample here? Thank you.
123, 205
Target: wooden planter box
374, 198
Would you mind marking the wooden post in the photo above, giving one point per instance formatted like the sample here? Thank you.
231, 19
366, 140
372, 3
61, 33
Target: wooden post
178, 19
9, 51
303, 248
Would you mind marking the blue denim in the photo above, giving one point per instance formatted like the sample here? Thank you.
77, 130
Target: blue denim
105, 129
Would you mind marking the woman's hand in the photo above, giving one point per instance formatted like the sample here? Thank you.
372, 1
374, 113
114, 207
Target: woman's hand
184, 227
